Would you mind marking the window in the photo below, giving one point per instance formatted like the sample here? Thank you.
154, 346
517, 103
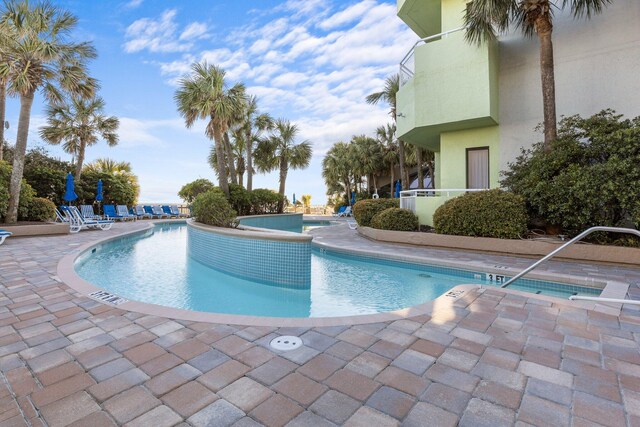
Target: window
478, 167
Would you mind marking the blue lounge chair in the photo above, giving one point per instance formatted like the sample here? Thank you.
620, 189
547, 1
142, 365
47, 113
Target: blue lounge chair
346, 212
3, 235
340, 211
77, 222
88, 212
139, 212
60, 217
110, 213
167, 210
176, 211
123, 211
157, 210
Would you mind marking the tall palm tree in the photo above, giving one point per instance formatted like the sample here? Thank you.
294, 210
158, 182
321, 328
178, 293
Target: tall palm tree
40, 56
280, 152
388, 95
237, 149
484, 18
386, 137
254, 124
205, 95
7, 32
79, 123
369, 155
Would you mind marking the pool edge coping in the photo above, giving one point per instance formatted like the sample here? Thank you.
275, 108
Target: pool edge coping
66, 273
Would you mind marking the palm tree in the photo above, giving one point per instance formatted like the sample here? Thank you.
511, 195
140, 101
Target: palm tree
114, 167
79, 123
237, 150
369, 155
204, 95
388, 94
483, 18
279, 151
39, 57
386, 137
337, 169
254, 124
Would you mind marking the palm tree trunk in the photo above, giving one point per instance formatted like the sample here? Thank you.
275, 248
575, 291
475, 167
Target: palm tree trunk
26, 101
230, 160
420, 170
3, 101
222, 169
284, 168
544, 28
393, 179
249, 144
402, 165
81, 149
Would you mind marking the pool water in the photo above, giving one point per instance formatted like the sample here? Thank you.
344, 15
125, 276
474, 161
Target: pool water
154, 267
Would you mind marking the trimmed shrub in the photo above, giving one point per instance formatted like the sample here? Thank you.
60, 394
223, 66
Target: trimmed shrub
492, 213
191, 190
265, 201
395, 219
240, 199
365, 210
41, 209
212, 208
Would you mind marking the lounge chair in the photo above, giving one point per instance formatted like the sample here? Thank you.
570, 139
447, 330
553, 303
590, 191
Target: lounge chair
123, 211
340, 211
139, 212
176, 211
157, 210
60, 217
167, 210
110, 213
77, 222
153, 212
346, 212
3, 235
88, 212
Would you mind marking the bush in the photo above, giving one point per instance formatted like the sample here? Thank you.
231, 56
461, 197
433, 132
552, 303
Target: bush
41, 209
212, 208
240, 199
265, 201
365, 210
395, 219
26, 193
589, 177
190, 191
492, 213
116, 189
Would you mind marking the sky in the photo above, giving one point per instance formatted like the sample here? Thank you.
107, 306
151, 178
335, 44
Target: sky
312, 62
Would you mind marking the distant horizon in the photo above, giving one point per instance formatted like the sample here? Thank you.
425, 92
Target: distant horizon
312, 62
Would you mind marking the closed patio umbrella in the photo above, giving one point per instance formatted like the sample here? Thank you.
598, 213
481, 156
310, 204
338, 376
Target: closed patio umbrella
69, 195
398, 188
99, 195
353, 198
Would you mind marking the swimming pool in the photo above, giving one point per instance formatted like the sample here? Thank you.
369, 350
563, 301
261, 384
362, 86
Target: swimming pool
154, 267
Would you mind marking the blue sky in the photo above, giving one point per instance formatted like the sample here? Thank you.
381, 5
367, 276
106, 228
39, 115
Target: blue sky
310, 61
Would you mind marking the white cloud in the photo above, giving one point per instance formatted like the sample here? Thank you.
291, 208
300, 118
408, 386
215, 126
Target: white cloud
161, 35
347, 15
136, 132
133, 4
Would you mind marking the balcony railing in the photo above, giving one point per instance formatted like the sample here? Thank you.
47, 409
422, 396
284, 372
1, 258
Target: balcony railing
407, 65
408, 197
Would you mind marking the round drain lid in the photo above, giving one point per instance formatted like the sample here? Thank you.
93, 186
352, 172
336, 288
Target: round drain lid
286, 343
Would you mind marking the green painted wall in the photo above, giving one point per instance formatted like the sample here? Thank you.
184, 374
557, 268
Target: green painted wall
422, 16
453, 151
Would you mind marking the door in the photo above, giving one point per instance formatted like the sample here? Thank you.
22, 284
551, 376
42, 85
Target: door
478, 167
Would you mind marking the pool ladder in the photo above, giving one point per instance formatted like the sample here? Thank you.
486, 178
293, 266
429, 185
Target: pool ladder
569, 243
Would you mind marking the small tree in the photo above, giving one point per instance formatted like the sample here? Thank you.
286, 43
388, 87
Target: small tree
190, 191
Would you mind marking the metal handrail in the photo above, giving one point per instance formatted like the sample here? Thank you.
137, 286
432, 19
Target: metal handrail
569, 243
424, 192
603, 299
403, 66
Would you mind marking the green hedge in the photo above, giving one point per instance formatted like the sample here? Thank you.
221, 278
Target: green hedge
492, 213
265, 201
395, 219
212, 208
27, 193
41, 209
365, 210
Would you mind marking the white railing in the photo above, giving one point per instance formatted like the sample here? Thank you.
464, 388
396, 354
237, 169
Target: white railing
408, 197
407, 65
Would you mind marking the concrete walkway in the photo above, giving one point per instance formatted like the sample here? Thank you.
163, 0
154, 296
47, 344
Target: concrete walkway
489, 359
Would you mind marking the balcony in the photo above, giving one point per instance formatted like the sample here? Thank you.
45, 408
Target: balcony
447, 85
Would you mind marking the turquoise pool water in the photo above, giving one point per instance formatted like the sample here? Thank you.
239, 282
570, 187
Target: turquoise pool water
155, 268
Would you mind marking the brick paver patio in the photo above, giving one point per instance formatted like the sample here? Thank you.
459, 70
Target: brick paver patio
489, 359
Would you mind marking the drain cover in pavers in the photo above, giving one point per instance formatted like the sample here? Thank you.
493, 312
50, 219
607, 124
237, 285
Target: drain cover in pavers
286, 343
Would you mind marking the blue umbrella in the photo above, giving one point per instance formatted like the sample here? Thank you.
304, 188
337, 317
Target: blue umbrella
353, 197
398, 188
70, 195
99, 196
294, 199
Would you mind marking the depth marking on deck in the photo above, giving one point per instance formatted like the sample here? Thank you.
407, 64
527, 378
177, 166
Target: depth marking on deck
109, 298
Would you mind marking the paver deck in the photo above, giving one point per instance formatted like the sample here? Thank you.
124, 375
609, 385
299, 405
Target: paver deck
490, 358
